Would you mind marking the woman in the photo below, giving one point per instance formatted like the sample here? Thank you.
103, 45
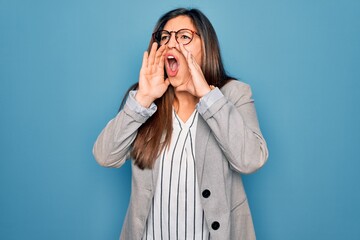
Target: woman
191, 132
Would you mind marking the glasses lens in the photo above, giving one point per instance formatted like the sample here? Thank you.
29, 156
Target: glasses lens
184, 36
162, 37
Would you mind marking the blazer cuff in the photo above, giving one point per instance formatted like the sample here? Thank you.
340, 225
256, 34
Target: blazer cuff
209, 99
136, 107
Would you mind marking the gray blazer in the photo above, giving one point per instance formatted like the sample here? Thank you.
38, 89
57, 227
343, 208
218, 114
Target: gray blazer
228, 143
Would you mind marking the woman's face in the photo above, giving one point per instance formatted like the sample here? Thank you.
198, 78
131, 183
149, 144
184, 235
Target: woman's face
175, 63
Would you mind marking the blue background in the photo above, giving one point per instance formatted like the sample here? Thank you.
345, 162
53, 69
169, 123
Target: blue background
65, 65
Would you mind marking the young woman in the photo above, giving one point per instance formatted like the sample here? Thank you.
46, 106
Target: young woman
191, 131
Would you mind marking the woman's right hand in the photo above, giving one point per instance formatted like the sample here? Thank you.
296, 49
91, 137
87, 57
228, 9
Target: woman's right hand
152, 84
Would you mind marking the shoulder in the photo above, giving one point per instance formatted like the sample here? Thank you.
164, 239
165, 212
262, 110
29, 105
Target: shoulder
236, 90
234, 84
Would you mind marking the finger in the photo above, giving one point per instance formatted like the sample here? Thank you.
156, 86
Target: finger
184, 51
161, 64
194, 62
145, 60
151, 58
188, 56
159, 55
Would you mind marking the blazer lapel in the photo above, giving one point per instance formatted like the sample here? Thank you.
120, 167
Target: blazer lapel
201, 140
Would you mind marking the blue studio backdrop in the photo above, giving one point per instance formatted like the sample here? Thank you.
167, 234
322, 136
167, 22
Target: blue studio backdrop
65, 66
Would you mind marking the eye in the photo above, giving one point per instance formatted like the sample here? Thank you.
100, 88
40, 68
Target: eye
184, 35
164, 37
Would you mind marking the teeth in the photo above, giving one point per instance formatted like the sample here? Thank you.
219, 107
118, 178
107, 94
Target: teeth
170, 57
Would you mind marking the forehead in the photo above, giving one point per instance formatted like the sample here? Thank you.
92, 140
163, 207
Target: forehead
179, 22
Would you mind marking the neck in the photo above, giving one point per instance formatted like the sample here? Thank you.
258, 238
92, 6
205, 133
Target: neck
184, 104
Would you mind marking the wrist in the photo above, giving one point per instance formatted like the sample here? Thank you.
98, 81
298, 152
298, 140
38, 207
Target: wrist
208, 89
143, 100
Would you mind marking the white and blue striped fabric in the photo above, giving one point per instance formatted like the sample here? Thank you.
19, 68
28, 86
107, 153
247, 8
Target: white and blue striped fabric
176, 211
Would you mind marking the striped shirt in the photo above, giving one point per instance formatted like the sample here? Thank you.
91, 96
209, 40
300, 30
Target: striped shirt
176, 211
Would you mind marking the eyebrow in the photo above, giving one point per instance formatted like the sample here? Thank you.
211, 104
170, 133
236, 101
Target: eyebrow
180, 29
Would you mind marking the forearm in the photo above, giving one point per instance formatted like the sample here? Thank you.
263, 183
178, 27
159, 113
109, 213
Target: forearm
113, 145
234, 124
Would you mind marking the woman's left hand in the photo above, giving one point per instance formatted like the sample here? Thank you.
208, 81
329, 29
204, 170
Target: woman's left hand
197, 84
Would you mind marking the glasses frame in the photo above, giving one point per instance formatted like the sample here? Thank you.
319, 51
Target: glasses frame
176, 33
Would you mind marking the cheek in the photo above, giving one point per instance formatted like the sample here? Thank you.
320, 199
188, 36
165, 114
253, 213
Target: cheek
197, 53
198, 58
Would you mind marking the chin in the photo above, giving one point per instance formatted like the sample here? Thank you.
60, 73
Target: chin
175, 82
179, 79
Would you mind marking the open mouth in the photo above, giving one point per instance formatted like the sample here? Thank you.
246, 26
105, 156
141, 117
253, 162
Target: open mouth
172, 65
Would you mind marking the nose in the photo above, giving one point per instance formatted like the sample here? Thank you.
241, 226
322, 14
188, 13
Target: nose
172, 41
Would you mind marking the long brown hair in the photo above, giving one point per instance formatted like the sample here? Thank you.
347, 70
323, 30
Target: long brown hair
155, 134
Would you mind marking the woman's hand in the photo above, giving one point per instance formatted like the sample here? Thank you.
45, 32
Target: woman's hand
151, 80
196, 85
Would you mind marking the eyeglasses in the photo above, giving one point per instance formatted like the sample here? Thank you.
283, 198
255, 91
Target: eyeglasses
183, 36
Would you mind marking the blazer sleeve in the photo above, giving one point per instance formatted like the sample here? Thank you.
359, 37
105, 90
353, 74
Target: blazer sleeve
231, 116
113, 145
